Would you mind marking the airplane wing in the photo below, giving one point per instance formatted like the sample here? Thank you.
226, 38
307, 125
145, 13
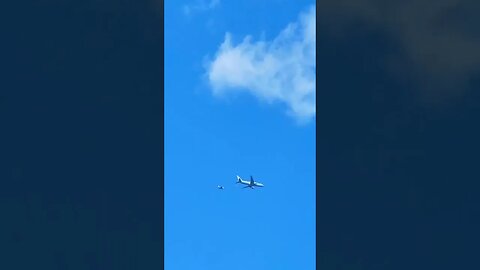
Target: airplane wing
251, 181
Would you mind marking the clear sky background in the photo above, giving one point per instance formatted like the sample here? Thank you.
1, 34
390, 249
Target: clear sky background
245, 108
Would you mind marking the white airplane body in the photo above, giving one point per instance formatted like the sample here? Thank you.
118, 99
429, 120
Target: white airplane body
249, 184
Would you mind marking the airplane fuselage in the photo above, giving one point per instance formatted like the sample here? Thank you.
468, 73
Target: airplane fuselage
255, 184
250, 183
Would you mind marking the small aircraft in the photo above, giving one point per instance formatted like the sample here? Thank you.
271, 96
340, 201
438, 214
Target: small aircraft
249, 184
220, 187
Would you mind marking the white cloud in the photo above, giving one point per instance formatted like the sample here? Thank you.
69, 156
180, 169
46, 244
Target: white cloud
200, 5
281, 70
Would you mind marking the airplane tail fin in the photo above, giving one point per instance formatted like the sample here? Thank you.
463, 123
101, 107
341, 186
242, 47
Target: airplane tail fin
239, 180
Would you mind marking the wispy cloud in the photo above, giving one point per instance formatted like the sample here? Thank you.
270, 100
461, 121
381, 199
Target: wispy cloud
200, 5
280, 70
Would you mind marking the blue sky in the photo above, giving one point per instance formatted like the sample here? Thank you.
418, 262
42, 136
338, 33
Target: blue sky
239, 106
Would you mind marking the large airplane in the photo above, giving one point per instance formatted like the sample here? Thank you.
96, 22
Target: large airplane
249, 184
